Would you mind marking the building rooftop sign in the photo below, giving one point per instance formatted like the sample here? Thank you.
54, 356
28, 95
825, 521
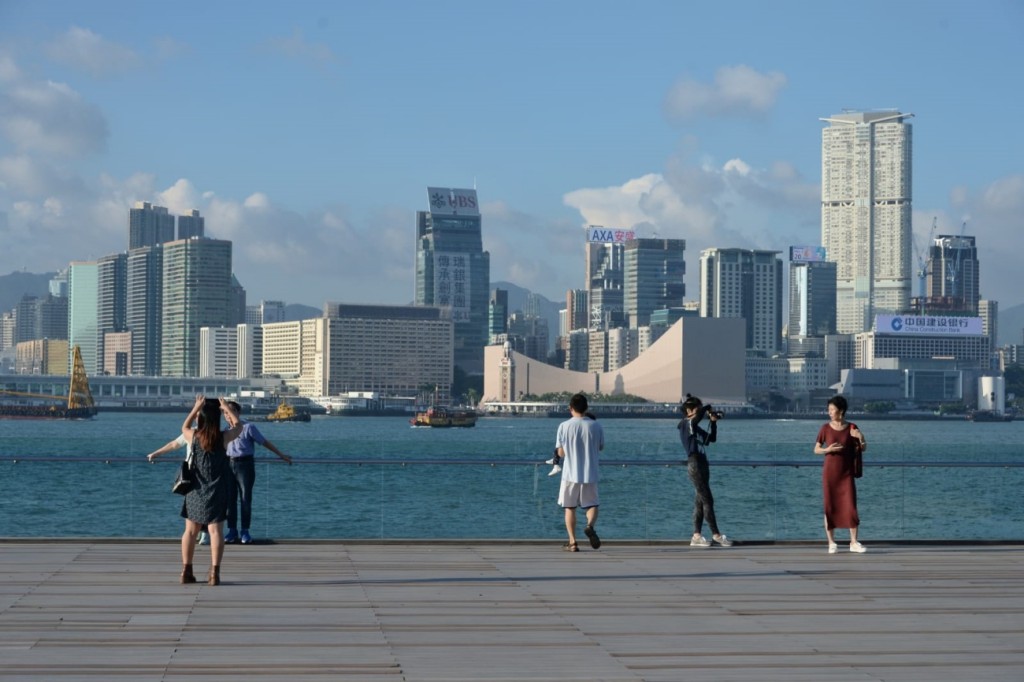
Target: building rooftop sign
604, 235
929, 324
806, 254
445, 201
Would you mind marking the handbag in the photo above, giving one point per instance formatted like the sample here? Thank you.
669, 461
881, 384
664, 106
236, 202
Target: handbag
185, 480
858, 465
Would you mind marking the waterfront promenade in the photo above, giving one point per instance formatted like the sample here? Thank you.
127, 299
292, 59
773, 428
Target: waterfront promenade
94, 610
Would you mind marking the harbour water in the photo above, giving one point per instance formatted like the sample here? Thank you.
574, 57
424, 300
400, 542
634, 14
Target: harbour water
378, 478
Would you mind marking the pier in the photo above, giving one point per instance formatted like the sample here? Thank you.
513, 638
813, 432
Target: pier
76, 610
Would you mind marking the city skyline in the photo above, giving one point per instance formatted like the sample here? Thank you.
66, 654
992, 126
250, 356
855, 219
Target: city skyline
306, 135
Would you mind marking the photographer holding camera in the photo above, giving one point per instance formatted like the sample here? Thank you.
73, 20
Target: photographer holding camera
694, 440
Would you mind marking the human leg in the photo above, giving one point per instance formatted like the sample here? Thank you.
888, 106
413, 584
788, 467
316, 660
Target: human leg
188, 549
570, 525
830, 534
245, 474
232, 516
704, 502
589, 531
216, 531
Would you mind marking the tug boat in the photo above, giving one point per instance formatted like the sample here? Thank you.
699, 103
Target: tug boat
442, 417
284, 413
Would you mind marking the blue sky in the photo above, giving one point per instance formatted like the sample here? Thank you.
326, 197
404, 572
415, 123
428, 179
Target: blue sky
307, 132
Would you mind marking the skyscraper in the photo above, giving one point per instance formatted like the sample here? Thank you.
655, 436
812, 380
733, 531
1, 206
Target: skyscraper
83, 298
747, 284
149, 225
812, 301
143, 306
497, 314
111, 290
197, 292
866, 214
653, 278
605, 277
453, 272
953, 274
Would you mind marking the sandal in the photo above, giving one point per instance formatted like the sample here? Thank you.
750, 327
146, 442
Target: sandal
595, 541
570, 547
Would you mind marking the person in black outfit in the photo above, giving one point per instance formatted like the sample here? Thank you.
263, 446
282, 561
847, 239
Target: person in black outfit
694, 439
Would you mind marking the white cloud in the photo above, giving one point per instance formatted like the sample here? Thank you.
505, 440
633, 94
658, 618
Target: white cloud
81, 49
295, 46
736, 91
50, 119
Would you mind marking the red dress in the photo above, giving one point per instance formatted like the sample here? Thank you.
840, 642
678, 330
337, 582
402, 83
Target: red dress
837, 477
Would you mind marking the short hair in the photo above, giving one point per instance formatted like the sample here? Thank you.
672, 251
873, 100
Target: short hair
578, 403
692, 402
235, 407
840, 403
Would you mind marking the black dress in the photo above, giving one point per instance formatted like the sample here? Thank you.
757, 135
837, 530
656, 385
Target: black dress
207, 502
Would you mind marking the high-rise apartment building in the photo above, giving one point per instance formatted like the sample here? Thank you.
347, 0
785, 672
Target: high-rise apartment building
218, 352
192, 225
83, 317
866, 214
747, 284
453, 272
197, 292
812, 301
653, 278
577, 311
497, 314
112, 289
149, 225
40, 318
953, 275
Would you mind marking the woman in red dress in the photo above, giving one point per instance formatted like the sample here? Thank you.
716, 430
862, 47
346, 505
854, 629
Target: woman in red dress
842, 443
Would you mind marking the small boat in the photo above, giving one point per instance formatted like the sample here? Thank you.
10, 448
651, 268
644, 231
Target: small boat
284, 413
989, 416
442, 417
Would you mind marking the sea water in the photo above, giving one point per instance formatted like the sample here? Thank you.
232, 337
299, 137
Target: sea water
379, 478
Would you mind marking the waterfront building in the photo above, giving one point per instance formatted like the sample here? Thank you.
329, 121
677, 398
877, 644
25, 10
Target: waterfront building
149, 225
83, 317
197, 292
192, 225
653, 272
249, 361
218, 352
866, 214
909, 338
953, 275
701, 356
812, 301
746, 284
453, 272
143, 307
117, 353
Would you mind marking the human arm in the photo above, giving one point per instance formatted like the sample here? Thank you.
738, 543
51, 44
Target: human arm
170, 447
855, 432
186, 426
820, 448
234, 423
273, 448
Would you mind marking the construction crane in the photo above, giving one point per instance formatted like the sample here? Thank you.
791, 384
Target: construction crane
923, 261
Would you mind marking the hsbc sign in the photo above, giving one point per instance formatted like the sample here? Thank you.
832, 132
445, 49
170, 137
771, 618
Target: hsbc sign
604, 235
446, 201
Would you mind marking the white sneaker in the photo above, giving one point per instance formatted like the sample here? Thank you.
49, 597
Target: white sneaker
551, 461
722, 539
555, 470
833, 548
204, 538
699, 541
858, 548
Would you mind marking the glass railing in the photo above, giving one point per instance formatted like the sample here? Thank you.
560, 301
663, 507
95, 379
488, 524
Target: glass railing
649, 498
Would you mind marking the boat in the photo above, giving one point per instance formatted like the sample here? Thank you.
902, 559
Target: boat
78, 404
442, 417
989, 416
284, 413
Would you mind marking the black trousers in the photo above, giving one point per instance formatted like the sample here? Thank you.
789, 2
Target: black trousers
703, 502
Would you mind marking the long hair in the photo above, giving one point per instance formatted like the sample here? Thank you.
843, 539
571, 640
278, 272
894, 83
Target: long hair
208, 429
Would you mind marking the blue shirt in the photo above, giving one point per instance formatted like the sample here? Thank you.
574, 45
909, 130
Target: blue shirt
581, 439
245, 444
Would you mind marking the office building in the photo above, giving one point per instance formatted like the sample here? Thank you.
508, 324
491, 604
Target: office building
746, 284
40, 318
149, 225
866, 214
953, 276
117, 353
192, 225
250, 351
197, 292
577, 311
497, 315
923, 340
42, 357
653, 272
218, 352
812, 301
112, 290
453, 272
83, 313
143, 308
605, 280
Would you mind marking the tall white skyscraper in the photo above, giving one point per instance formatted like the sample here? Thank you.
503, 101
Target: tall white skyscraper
866, 214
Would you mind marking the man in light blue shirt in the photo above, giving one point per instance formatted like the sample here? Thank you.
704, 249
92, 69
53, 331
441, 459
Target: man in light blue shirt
241, 453
579, 441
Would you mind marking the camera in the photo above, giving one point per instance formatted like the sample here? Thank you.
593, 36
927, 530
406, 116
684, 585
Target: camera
710, 411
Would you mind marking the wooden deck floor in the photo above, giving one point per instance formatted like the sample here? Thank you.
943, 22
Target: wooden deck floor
114, 611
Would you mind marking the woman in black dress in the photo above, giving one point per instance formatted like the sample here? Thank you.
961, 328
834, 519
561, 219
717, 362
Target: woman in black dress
842, 443
207, 503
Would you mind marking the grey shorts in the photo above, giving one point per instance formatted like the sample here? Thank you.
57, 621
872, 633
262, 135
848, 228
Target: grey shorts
572, 495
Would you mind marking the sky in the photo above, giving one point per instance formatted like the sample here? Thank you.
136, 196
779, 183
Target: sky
307, 132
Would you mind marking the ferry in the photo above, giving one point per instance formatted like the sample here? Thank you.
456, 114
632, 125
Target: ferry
442, 417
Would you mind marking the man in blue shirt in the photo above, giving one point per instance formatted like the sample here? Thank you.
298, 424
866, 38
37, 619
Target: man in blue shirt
579, 440
243, 465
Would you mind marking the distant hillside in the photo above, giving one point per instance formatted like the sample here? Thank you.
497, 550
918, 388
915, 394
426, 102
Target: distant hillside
1011, 326
293, 312
17, 284
549, 310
